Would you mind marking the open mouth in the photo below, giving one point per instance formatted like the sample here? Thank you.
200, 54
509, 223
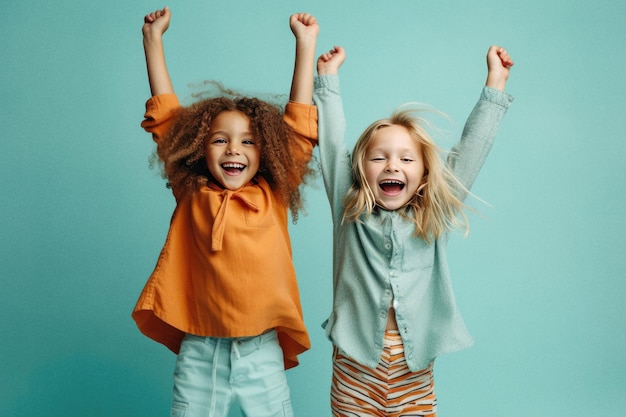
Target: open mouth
233, 167
391, 186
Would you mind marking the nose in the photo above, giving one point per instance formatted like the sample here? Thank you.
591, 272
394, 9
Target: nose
232, 149
391, 166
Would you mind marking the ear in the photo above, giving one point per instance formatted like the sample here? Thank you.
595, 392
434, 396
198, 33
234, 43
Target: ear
423, 184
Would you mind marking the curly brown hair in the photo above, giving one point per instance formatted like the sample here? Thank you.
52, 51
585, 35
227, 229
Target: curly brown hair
283, 160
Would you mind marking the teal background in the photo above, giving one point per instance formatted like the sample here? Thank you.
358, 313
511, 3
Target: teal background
540, 281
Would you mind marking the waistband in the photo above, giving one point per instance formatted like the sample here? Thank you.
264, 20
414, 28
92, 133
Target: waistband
244, 345
240, 346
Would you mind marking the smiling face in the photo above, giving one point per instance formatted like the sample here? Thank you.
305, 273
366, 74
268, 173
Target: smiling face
231, 151
393, 166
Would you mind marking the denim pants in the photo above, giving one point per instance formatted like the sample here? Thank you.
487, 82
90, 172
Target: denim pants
212, 373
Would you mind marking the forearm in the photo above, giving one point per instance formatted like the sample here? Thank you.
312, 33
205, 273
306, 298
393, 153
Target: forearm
468, 156
158, 76
331, 119
495, 81
334, 154
302, 81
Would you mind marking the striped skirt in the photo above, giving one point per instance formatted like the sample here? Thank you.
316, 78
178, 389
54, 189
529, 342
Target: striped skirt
390, 390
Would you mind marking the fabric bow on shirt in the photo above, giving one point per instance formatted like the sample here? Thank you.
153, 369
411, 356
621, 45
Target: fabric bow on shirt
217, 234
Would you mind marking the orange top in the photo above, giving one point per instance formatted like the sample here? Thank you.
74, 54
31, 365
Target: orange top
226, 268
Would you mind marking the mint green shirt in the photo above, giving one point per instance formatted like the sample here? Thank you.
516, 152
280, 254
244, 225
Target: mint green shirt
379, 260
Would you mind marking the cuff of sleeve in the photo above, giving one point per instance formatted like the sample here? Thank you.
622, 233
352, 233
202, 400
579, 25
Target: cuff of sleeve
330, 81
156, 106
497, 97
302, 118
154, 103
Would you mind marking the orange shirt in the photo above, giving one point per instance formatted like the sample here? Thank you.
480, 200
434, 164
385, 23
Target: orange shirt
226, 267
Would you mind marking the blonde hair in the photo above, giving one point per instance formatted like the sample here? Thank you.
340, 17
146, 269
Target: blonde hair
437, 205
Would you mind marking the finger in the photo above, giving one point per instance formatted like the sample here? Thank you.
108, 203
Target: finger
505, 58
163, 11
297, 17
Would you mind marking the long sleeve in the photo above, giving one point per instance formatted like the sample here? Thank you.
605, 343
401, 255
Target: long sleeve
467, 157
334, 155
379, 259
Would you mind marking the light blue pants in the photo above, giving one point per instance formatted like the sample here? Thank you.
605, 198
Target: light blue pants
211, 373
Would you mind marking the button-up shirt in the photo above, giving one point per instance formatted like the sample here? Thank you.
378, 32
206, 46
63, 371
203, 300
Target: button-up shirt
379, 262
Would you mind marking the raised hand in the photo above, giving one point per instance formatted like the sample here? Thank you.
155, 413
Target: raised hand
329, 62
304, 25
157, 22
499, 65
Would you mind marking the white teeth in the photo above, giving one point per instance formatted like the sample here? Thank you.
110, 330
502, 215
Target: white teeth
233, 165
392, 182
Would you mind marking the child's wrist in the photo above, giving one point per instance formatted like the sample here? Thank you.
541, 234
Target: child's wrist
306, 42
496, 81
150, 36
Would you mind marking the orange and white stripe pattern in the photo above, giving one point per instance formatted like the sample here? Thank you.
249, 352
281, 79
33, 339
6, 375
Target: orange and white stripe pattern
390, 390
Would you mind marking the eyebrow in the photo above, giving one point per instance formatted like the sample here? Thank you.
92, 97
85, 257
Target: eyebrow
224, 132
382, 150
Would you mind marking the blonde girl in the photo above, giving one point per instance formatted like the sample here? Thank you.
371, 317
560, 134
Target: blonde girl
393, 202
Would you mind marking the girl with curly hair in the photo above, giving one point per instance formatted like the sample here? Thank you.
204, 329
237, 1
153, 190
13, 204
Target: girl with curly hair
393, 203
223, 294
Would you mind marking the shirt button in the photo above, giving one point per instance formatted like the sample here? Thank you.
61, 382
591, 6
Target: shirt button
387, 245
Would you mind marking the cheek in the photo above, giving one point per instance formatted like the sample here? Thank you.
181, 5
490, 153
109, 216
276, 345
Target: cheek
257, 156
210, 158
254, 160
369, 174
423, 178
421, 174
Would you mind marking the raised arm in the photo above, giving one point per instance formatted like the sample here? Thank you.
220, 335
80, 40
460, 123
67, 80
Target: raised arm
468, 156
336, 165
155, 25
305, 29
